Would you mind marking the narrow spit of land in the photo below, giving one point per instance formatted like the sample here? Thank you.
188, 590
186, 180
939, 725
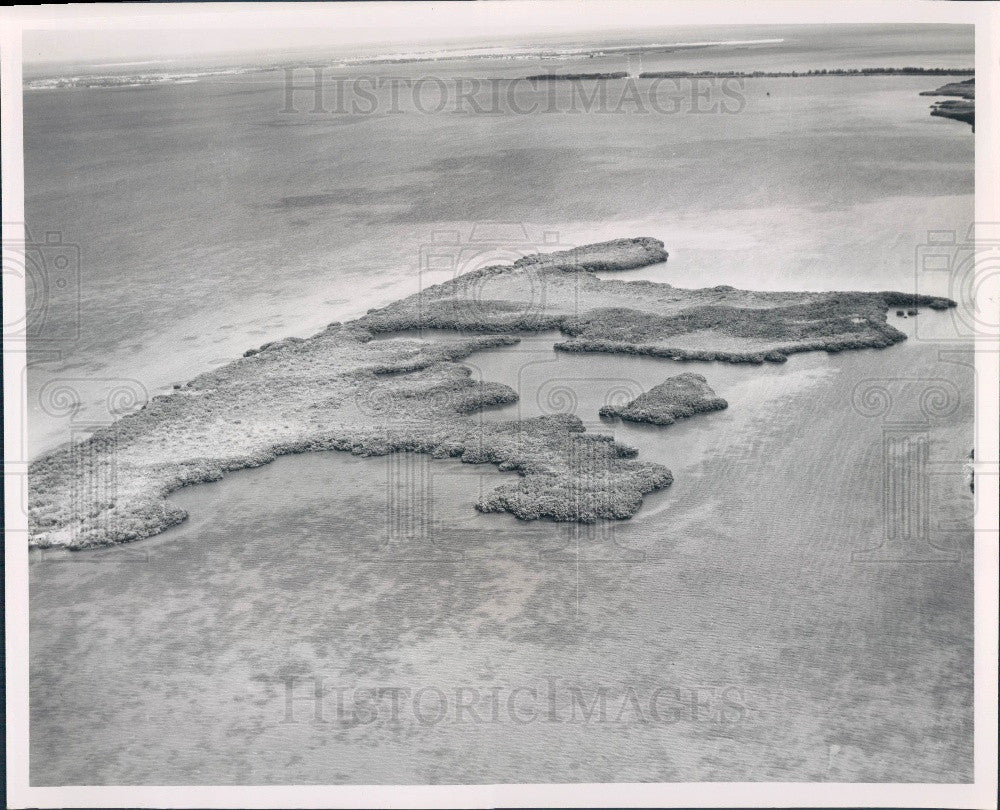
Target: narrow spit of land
754, 74
342, 390
805, 74
962, 108
547, 77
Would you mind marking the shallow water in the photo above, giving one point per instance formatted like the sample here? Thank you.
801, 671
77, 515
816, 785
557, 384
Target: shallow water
797, 605
208, 221
757, 610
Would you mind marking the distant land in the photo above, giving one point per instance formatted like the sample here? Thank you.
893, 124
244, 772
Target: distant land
166, 77
757, 74
752, 74
588, 52
177, 74
543, 77
795, 74
963, 108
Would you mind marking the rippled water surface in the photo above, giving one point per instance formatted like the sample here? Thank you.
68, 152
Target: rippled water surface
213, 217
793, 607
764, 610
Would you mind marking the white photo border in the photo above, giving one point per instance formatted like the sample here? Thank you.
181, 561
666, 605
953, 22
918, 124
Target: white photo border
982, 793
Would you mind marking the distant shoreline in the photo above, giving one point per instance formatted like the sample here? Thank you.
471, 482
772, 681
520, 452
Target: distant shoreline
546, 77
799, 74
752, 74
85, 81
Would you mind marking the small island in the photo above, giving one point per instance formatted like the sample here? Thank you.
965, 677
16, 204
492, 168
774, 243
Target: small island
677, 397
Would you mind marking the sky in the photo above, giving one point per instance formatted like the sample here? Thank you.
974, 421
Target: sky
336, 26
108, 33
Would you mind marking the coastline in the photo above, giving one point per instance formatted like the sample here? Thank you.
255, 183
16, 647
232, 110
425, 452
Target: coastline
962, 107
805, 74
343, 469
342, 390
154, 79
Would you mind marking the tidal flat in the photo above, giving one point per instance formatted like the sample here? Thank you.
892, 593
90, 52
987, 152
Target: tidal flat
757, 594
754, 576
342, 390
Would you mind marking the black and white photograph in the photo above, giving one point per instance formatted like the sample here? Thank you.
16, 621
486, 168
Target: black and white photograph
476, 404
